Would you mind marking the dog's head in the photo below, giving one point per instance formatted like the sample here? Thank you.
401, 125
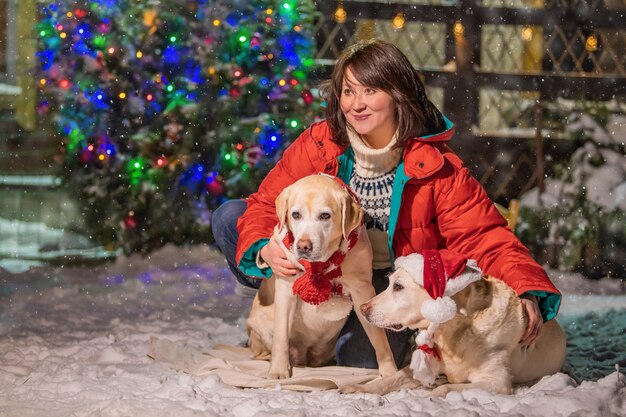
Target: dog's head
319, 212
399, 306
421, 288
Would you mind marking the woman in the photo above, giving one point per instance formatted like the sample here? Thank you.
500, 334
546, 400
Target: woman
384, 138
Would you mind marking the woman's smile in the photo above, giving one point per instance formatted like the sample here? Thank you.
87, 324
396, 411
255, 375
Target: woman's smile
369, 111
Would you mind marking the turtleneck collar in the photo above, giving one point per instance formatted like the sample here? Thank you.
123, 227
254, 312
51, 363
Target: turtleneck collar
372, 162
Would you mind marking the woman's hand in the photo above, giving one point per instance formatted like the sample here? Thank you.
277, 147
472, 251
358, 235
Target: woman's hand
530, 303
275, 257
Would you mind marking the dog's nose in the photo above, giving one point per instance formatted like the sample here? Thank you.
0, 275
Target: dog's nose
304, 246
365, 309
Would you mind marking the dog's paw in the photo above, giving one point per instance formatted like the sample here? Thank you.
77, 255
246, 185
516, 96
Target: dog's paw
276, 372
372, 388
351, 389
441, 391
387, 369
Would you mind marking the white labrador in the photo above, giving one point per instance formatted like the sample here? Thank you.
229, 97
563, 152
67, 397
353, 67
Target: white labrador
479, 347
321, 216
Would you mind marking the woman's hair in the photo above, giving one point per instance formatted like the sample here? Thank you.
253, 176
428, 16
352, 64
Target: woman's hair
381, 65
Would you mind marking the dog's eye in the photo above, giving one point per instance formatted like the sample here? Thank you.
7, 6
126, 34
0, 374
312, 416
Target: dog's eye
296, 215
324, 216
397, 286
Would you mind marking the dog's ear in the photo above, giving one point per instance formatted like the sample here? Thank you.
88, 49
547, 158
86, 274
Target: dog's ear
351, 213
282, 204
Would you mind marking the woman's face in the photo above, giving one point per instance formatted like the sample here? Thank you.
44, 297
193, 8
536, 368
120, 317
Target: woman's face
370, 111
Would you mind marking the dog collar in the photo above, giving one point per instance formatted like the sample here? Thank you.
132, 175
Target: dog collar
316, 283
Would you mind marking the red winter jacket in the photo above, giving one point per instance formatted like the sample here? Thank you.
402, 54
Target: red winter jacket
435, 204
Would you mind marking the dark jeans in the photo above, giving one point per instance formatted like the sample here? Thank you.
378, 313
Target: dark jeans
353, 347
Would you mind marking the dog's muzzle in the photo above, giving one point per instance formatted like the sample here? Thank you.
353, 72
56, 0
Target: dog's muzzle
304, 247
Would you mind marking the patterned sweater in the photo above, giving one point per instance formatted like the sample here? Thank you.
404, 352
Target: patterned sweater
372, 181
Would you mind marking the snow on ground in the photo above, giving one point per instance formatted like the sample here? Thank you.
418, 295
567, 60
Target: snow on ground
73, 342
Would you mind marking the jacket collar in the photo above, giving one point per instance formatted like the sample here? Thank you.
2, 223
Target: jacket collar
421, 158
422, 155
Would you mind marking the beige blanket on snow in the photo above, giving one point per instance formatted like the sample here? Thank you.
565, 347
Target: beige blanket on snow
235, 366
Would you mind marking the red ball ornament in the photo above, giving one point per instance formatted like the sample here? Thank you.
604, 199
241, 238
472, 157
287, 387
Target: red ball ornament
253, 155
216, 187
307, 96
235, 93
85, 157
255, 41
104, 28
130, 222
80, 13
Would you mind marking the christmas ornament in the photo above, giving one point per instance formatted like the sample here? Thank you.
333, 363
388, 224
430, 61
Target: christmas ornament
216, 187
130, 222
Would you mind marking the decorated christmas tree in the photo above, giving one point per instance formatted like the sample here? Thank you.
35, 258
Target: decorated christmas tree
166, 108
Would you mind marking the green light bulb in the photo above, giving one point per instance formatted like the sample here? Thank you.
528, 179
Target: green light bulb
99, 41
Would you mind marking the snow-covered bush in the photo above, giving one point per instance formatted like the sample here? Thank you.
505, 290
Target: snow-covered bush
578, 223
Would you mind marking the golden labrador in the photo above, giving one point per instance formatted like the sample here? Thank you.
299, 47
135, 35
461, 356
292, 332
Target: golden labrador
477, 348
320, 224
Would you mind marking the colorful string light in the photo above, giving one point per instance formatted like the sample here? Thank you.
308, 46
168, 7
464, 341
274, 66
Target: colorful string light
118, 71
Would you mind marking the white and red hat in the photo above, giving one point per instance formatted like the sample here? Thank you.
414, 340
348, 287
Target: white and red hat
442, 273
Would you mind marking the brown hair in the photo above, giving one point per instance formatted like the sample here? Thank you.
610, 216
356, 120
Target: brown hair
381, 65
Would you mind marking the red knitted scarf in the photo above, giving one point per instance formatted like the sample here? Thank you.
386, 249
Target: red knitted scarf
316, 283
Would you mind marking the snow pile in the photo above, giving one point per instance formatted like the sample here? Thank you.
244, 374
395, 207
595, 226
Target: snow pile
577, 223
596, 167
74, 343
35, 242
600, 172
